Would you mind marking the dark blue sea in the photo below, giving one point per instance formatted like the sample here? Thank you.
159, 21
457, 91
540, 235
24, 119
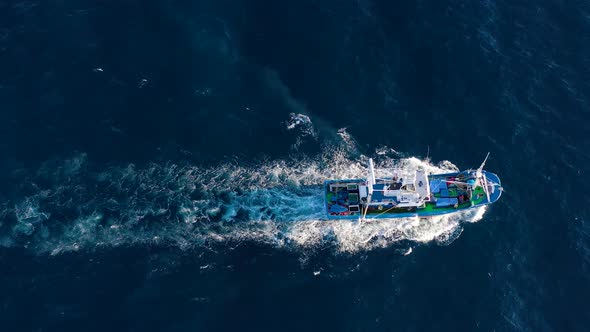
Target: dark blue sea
161, 163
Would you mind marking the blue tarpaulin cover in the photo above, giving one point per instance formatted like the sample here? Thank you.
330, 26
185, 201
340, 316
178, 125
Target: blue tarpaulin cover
337, 208
437, 185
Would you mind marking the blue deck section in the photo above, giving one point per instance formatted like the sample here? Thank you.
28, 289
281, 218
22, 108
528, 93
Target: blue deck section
442, 202
378, 195
337, 208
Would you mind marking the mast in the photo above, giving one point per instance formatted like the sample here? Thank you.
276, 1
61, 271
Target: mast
370, 183
479, 175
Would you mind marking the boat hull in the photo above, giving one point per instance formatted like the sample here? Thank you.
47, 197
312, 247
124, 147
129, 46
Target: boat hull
457, 199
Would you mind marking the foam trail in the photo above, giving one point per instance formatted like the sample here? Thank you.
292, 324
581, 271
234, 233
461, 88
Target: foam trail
353, 236
279, 203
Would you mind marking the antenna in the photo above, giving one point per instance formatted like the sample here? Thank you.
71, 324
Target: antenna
371, 178
370, 183
483, 164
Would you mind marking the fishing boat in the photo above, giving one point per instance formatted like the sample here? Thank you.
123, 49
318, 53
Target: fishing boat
410, 194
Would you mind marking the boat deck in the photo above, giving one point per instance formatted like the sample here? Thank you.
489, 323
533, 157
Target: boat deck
445, 196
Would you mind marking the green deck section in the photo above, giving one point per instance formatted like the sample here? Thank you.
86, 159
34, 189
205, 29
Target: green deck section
329, 196
479, 195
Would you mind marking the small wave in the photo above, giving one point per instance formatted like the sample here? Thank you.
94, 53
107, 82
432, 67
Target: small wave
303, 125
300, 121
349, 142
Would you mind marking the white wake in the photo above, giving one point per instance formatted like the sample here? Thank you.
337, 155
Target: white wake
279, 203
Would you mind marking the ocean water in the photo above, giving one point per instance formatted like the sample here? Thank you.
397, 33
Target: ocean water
161, 164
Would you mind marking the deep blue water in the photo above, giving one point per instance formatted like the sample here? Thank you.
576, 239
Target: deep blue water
160, 161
